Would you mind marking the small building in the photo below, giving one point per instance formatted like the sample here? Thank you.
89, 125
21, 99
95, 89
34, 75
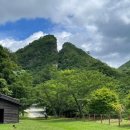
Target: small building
9, 109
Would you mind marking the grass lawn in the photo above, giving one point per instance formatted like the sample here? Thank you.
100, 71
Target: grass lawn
62, 124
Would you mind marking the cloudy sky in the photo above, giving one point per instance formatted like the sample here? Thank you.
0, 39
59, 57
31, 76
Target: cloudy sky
101, 27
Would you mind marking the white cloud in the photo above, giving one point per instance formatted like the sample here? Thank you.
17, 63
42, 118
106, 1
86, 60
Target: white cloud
62, 37
126, 19
99, 26
14, 45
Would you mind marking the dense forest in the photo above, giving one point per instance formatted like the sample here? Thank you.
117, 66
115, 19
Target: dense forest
69, 82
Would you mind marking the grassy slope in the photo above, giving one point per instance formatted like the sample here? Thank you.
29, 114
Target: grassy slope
61, 125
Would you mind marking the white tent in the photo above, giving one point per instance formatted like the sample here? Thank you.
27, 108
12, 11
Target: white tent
34, 111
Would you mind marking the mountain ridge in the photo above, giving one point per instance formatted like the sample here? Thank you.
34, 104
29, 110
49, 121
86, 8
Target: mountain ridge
42, 54
125, 66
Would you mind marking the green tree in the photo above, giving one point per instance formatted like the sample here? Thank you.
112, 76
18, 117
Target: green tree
7, 69
72, 88
4, 87
22, 89
80, 83
103, 101
55, 96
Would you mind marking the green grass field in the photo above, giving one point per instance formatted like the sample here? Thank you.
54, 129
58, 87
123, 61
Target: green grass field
62, 124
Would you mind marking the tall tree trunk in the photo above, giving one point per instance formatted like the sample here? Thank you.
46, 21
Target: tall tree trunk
78, 106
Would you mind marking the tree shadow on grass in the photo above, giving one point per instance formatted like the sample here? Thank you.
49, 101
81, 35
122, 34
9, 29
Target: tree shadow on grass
127, 126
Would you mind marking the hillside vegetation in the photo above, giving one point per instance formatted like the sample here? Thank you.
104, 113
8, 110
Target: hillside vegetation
69, 82
41, 55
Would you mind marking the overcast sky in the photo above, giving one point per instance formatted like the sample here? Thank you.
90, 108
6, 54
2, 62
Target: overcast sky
101, 27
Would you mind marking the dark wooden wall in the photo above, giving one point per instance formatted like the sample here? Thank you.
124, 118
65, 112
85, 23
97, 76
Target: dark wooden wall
11, 111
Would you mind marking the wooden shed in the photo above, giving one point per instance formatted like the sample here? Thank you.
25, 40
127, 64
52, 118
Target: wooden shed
9, 109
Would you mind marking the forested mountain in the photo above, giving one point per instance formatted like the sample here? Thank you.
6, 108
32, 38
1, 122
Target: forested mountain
42, 54
125, 66
63, 80
71, 57
38, 54
39, 57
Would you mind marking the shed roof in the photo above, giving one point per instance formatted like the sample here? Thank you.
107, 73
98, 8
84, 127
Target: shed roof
10, 99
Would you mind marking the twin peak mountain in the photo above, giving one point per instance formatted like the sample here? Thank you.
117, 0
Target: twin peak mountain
43, 53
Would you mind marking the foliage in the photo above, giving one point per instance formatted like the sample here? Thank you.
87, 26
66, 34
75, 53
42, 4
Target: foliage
38, 53
125, 66
71, 57
4, 87
7, 66
13, 80
22, 88
42, 54
62, 81
69, 91
104, 101
38, 56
